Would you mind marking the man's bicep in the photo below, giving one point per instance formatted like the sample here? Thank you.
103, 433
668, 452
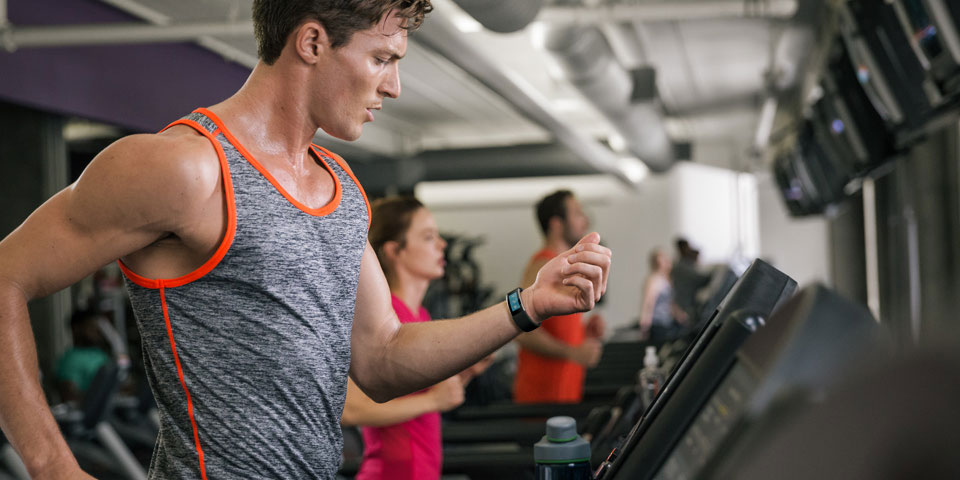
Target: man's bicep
53, 248
83, 227
374, 321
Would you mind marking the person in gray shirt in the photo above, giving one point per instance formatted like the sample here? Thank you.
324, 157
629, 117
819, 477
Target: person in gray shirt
245, 255
686, 277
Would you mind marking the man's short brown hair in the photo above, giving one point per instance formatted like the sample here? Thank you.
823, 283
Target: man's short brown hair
553, 205
275, 20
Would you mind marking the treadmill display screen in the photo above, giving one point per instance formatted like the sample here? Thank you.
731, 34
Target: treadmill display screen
924, 31
710, 427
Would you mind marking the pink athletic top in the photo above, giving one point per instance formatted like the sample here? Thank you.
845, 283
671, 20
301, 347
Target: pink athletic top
409, 450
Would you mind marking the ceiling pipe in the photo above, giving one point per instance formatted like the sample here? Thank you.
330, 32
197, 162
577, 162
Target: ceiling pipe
502, 16
788, 61
439, 35
627, 99
224, 49
128, 33
666, 10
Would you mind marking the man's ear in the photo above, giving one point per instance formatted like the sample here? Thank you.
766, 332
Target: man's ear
311, 42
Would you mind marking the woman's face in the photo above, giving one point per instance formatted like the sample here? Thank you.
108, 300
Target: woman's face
422, 254
664, 264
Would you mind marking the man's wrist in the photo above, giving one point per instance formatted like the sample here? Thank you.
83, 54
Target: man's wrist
526, 296
60, 467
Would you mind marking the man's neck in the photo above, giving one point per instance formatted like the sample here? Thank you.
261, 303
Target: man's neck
268, 114
556, 244
409, 290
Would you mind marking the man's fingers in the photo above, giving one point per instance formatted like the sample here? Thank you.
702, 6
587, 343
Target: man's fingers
594, 247
593, 272
590, 272
590, 238
593, 258
595, 255
585, 286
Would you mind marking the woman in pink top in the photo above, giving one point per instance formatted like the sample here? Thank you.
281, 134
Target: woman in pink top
402, 437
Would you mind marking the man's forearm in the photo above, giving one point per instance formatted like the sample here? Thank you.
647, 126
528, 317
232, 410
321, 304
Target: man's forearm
24, 415
423, 354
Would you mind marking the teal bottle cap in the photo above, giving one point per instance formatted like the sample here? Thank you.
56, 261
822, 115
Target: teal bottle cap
561, 444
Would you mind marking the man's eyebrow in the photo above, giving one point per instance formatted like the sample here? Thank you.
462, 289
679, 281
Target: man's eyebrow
392, 54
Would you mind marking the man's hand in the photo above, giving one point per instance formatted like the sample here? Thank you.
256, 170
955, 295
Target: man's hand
587, 353
447, 394
571, 282
596, 326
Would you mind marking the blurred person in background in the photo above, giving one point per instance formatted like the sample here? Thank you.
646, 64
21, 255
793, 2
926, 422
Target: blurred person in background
552, 360
402, 437
686, 277
660, 317
81, 362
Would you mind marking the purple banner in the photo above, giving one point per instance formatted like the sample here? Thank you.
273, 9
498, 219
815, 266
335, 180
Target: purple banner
138, 87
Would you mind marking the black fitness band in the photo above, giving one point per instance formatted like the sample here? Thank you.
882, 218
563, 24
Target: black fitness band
519, 314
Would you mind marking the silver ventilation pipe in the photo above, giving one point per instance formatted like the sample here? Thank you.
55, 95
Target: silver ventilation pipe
443, 38
627, 99
789, 59
502, 16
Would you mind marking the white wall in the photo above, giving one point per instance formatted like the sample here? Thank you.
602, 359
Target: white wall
693, 200
717, 212
798, 247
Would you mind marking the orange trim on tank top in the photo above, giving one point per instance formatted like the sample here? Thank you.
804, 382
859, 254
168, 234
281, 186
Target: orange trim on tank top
343, 164
227, 241
183, 383
317, 212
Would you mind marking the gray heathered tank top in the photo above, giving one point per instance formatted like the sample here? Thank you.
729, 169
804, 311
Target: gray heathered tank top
248, 356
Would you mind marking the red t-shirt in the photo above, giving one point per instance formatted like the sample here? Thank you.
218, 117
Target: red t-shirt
409, 450
542, 379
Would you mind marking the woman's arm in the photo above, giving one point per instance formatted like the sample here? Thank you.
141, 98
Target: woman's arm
361, 410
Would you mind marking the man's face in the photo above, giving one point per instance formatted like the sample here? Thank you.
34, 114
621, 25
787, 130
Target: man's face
577, 223
359, 76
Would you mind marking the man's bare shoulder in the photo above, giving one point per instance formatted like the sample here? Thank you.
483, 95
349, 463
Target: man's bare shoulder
178, 160
163, 174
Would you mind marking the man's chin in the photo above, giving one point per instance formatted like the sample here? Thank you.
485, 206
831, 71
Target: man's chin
345, 136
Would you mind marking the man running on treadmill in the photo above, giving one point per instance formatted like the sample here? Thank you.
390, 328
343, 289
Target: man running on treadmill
249, 328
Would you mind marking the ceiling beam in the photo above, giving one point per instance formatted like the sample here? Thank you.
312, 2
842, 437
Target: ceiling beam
123, 34
665, 10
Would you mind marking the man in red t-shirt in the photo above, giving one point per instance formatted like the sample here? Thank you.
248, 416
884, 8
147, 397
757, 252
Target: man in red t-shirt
552, 359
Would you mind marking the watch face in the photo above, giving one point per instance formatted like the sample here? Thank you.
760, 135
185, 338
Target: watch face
513, 300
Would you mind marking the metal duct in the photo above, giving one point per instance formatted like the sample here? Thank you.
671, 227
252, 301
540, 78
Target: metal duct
590, 64
791, 56
443, 38
502, 16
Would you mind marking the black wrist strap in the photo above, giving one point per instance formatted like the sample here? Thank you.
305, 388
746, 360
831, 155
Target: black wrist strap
519, 314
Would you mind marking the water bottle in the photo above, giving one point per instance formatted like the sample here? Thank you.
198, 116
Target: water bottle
561, 454
651, 379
